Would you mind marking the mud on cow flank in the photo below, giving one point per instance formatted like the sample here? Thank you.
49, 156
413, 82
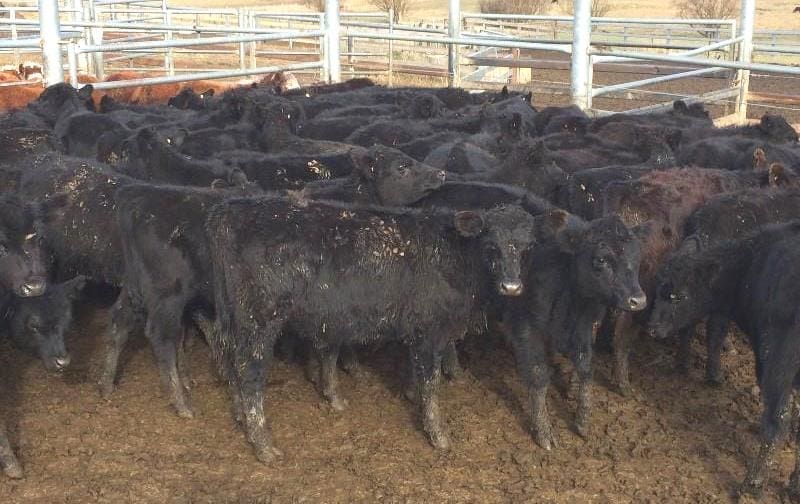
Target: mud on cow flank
339, 216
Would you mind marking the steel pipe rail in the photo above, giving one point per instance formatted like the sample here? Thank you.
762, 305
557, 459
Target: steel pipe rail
655, 80
120, 47
735, 65
206, 75
463, 41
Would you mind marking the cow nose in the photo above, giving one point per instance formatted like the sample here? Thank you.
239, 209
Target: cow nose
35, 286
62, 362
637, 303
442, 175
511, 288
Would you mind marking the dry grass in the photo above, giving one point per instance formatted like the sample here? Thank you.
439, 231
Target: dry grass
769, 14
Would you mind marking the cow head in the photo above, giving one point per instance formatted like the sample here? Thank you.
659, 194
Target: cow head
605, 261
38, 325
395, 178
22, 256
507, 235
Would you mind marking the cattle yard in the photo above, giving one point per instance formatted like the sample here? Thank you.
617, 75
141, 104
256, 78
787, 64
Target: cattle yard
452, 272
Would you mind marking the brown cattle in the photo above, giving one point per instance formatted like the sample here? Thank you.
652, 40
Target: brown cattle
15, 97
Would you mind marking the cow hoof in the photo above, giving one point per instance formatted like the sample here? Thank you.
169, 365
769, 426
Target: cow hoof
625, 390
185, 412
440, 441
338, 404
268, 454
582, 428
13, 470
750, 488
106, 389
546, 439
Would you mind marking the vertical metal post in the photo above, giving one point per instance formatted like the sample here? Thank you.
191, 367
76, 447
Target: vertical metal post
78, 16
580, 81
746, 22
323, 50
453, 31
13, 17
72, 64
50, 30
95, 38
332, 31
390, 76
169, 63
242, 60
253, 44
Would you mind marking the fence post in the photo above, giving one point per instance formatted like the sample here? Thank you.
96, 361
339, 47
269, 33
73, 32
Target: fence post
453, 31
169, 61
253, 45
50, 29
240, 16
323, 49
72, 64
580, 80
12, 15
746, 22
332, 31
390, 77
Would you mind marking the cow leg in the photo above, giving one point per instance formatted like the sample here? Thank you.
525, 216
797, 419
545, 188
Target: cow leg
251, 371
124, 320
164, 331
328, 380
348, 360
716, 331
794, 481
451, 367
778, 373
534, 371
583, 369
427, 364
9, 462
624, 334
684, 354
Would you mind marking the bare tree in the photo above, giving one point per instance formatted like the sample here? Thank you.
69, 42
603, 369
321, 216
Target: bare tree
600, 8
526, 7
401, 7
706, 9
319, 5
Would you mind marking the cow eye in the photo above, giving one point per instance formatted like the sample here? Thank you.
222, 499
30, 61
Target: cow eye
675, 298
600, 262
169, 141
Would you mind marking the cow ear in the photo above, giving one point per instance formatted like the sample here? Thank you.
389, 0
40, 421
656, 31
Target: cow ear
468, 223
777, 175
551, 224
528, 97
364, 164
759, 158
680, 106
85, 92
504, 92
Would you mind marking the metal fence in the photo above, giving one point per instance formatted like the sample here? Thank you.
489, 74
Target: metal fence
102, 36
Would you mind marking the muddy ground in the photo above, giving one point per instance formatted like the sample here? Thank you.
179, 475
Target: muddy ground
676, 440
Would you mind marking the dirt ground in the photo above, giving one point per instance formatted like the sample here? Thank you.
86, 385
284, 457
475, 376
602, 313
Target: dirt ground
677, 440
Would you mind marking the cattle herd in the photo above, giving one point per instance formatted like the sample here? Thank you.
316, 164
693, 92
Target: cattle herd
330, 217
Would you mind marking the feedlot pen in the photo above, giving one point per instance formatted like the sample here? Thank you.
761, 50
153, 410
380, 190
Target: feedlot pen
676, 439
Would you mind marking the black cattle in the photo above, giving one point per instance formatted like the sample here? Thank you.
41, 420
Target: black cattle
416, 276
770, 128
17, 144
589, 267
187, 99
38, 324
54, 105
561, 119
681, 116
754, 282
81, 133
23, 267
164, 245
582, 193
152, 156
